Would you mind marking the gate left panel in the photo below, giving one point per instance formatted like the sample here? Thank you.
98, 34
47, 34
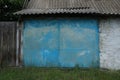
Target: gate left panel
40, 43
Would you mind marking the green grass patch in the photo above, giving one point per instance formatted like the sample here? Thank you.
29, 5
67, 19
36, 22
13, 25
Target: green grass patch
57, 74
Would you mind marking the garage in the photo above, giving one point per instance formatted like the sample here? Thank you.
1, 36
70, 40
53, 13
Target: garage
61, 42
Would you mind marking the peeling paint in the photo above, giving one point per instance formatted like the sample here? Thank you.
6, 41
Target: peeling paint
81, 53
61, 43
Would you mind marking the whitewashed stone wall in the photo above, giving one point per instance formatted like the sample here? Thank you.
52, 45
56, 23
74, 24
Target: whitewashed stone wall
110, 43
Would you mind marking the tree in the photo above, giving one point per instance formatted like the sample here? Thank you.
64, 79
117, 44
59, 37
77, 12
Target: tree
8, 7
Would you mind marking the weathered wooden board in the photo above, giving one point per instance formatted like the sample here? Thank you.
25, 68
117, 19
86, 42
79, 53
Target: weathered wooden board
7, 43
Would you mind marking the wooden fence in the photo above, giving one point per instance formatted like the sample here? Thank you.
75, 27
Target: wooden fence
8, 34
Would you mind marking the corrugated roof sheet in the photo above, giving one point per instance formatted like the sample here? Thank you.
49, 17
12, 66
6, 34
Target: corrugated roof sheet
71, 6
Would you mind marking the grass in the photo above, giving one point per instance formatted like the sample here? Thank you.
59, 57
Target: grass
57, 74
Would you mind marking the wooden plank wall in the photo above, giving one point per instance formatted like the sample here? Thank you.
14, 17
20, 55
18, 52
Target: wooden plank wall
8, 32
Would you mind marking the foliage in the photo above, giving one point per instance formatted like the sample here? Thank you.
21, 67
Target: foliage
8, 7
57, 74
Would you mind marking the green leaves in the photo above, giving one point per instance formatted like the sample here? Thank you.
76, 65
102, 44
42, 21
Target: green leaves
8, 7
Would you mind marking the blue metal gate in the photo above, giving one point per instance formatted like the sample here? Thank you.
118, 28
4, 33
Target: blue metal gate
61, 43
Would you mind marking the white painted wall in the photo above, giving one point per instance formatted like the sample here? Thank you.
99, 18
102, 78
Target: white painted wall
110, 43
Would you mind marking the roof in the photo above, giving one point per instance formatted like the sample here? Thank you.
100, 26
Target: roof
71, 6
